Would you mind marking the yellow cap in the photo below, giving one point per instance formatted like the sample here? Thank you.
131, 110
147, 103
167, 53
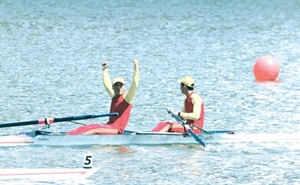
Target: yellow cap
118, 79
188, 81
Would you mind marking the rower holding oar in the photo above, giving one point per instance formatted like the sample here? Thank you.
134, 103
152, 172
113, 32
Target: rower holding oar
193, 111
121, 102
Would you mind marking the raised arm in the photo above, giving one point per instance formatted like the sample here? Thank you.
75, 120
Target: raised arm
106, 80
132, 90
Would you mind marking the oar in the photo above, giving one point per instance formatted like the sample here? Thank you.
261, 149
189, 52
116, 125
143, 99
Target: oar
190, 131
207, 132
48, 121
215, 131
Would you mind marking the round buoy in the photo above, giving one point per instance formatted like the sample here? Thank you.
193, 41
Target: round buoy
266, 68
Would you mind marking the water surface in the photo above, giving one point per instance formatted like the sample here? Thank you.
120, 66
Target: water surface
50, 65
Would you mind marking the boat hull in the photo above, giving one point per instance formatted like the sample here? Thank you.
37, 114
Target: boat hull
71, 140
142, 138
46, 173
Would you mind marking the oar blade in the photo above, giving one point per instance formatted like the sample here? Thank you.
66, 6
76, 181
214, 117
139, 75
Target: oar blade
200, 141
190, 131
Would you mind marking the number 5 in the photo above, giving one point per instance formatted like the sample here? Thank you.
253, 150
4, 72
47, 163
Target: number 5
87, 161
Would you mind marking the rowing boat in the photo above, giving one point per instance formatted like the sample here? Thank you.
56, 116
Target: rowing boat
47, 138
25, 173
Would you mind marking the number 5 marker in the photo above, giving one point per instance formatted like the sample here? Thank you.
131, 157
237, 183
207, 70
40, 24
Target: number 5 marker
87, 161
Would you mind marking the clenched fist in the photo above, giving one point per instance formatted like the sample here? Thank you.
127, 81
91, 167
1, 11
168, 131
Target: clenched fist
136, 62
104, 65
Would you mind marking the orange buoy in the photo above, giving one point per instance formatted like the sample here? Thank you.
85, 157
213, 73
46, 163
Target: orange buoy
266, 68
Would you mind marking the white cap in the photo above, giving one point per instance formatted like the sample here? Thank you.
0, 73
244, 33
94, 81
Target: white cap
118, 79
188, 81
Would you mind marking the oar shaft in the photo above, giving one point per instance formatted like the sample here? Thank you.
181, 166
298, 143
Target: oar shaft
207, 132
71, 118
18, 124
52, 120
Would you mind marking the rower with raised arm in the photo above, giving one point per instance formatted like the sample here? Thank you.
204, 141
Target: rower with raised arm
121, 103
192, 112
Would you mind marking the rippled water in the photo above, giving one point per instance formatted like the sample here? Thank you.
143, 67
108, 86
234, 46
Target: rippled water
50, 65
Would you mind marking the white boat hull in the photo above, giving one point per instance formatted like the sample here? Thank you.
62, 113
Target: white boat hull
72, 140
46, 174
142, 138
